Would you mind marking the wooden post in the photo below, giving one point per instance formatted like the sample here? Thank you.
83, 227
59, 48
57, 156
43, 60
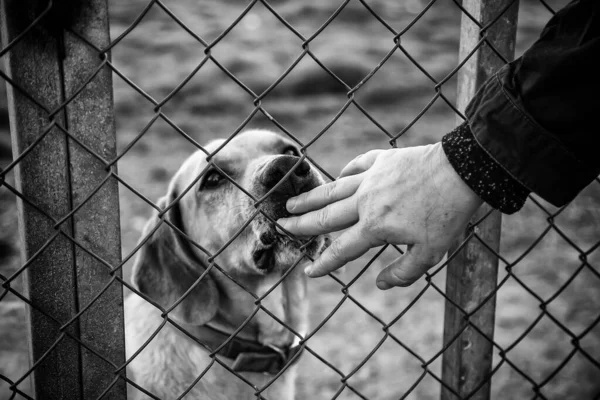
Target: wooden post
472, 274
58, 175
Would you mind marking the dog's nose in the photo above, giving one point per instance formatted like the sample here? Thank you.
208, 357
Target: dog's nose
297, 182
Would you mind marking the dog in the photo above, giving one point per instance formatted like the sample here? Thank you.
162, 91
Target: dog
168, 265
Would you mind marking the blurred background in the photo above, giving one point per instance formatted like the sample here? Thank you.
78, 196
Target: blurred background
158, 54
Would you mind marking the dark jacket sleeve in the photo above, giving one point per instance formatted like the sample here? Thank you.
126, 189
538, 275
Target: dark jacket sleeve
537, 117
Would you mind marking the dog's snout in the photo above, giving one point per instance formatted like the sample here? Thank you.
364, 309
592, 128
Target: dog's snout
279, 167
303, 169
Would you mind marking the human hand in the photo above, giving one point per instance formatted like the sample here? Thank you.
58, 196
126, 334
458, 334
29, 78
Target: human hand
408, 196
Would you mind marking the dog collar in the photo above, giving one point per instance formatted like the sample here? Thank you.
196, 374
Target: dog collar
247, 355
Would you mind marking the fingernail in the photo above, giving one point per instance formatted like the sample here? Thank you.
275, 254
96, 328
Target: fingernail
308, 271
383, 285
290, 204
281, 222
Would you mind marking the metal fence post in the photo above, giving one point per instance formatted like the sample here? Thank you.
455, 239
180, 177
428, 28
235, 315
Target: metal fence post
472, 273
51, 65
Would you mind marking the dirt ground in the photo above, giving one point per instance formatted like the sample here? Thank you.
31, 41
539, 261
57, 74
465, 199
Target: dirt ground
158, 54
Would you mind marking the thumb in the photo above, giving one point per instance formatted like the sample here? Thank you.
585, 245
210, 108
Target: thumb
409, 267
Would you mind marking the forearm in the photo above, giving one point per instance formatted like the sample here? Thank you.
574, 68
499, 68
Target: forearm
534, 121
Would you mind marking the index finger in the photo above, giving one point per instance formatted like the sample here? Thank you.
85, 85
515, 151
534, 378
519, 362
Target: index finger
331, 218
324, 195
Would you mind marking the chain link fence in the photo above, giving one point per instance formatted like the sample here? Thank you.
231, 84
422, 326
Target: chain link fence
334, 79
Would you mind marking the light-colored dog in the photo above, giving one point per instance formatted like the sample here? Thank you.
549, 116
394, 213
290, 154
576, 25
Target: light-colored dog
168, 266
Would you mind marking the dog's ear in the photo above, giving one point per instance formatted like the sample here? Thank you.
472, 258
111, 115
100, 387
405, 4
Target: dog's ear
165, 268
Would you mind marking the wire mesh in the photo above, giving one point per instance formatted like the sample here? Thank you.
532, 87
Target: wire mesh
549, 255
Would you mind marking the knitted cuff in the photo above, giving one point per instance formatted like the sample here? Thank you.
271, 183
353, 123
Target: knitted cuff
482, 173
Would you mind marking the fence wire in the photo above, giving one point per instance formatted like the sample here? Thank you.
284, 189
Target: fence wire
580, 330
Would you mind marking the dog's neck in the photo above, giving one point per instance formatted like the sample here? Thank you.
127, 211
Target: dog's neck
286, 302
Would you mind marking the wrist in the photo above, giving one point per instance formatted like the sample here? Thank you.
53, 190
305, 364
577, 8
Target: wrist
455, 191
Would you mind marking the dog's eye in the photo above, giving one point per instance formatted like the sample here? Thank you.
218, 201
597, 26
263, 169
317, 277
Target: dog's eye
291, 151
212, 180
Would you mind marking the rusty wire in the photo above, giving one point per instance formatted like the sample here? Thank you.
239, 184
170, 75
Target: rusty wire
345, 287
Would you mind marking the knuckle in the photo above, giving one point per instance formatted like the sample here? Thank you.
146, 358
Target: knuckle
322, 218
330, 190
296, 223
362, 197
373, 225
335, 251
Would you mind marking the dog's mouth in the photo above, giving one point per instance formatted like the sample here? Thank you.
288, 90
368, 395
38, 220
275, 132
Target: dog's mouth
273, 250
264, 251
264, 258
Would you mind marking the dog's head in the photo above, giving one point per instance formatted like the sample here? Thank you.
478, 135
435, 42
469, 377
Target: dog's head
219, 216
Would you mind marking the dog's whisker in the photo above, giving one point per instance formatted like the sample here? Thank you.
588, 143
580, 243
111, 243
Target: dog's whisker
238, 214
234, 207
